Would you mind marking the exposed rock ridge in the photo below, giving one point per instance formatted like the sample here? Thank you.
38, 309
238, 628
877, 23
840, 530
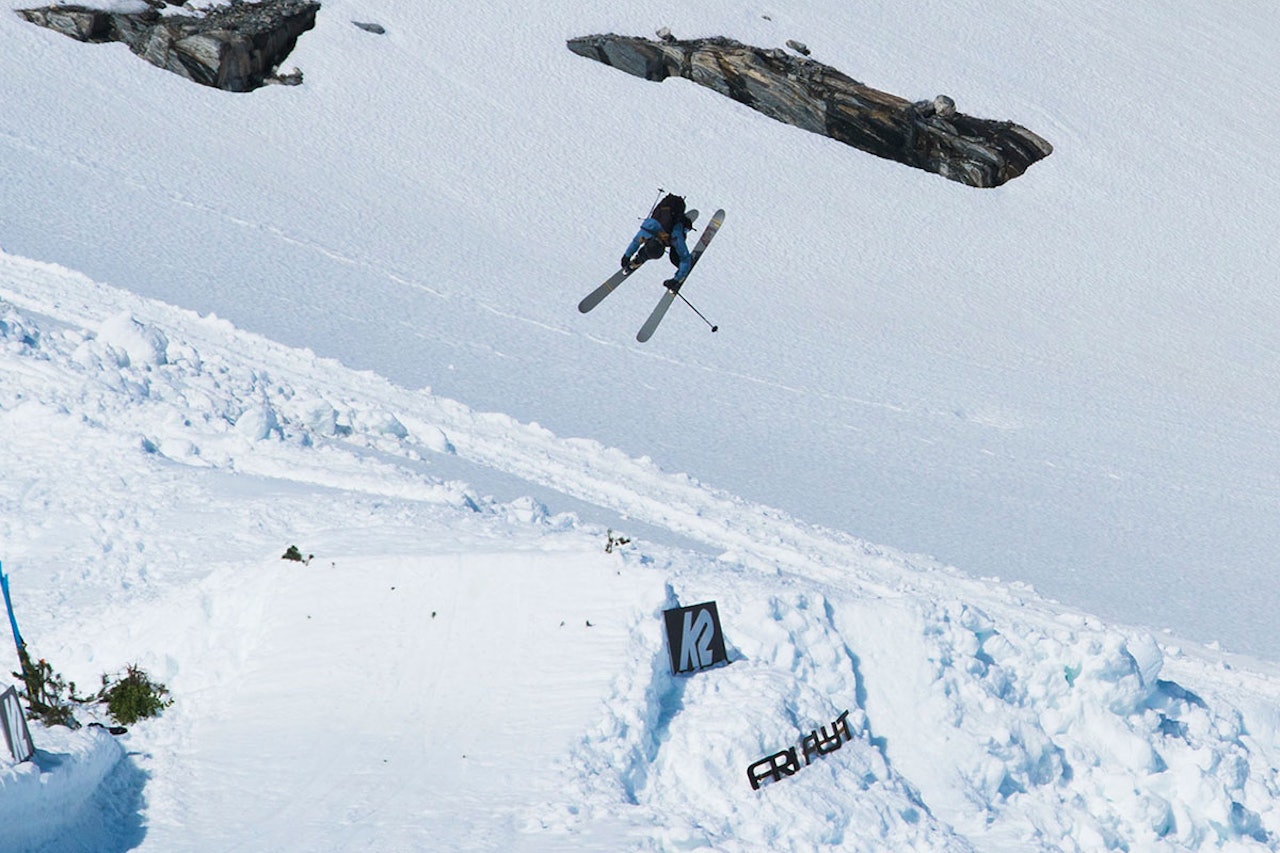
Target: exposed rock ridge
796, 90
236, 47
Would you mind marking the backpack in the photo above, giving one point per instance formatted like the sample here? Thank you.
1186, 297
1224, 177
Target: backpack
669, 211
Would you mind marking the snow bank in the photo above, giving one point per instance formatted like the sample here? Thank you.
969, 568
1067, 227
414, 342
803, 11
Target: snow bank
486, 663
61, 799
1003, 735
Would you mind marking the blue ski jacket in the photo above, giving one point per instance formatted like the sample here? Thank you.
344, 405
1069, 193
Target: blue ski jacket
650, 229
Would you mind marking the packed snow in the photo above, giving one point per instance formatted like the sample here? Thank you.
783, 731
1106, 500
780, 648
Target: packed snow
450, 669
340, 317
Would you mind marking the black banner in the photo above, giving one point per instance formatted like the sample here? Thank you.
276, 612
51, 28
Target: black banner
786, 763
694, 638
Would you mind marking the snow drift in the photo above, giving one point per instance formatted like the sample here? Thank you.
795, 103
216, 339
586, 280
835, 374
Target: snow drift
453, 669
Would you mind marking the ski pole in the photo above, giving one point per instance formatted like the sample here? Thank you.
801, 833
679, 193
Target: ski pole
656, 199
696, 311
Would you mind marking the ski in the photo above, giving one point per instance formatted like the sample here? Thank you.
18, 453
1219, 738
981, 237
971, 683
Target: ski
660, 310
595, 297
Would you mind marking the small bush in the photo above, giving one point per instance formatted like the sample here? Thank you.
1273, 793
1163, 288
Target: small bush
43, 690
133, 697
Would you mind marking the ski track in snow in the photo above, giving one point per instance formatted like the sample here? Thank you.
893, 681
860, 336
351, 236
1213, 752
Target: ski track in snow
982, 716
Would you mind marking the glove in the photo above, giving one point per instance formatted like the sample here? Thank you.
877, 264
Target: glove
626, 262
673, 285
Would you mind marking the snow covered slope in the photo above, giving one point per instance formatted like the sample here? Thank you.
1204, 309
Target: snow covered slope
341, 316
1070, 381
456, 671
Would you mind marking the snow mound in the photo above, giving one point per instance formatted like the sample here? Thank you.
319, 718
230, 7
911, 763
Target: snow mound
76, 794
134, 344
965, 731
519, 668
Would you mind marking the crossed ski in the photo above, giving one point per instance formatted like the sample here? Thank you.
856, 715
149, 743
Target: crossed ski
595, 297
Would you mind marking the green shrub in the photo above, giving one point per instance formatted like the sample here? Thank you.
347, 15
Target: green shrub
133, 697
43, 690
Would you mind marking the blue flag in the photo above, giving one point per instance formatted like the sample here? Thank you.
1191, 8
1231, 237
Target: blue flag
13, 622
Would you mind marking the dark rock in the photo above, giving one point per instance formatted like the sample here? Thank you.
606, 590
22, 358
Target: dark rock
236, 47
928, 135
799, 47
79, 23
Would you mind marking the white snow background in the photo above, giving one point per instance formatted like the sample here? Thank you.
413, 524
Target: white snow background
342, 316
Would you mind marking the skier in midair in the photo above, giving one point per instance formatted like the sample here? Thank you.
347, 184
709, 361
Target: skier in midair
664, 230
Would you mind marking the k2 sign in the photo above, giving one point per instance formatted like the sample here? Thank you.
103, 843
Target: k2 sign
15, 726
694, 637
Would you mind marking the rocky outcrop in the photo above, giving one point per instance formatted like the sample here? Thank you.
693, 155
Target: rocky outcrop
237, 47
929, 135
